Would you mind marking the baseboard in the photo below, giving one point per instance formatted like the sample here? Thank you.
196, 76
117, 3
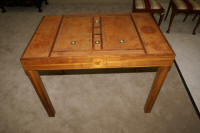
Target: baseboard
187, 89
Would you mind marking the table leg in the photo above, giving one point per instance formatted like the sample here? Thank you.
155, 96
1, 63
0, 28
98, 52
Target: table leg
41, 91
157, 84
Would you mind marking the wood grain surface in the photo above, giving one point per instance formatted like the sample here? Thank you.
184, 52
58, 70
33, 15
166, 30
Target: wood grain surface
74, 41
97, 41
77, 30
43, 39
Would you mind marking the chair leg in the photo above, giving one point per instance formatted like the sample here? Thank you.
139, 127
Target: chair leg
169, 6
133, 6
171, 19
198, 22
3, 9
194, 17
46, 2
186, 15
161, 18
153, 17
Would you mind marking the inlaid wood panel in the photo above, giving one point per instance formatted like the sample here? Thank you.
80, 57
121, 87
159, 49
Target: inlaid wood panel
118, 32
75, 34
118, 40
43, 39
153, 40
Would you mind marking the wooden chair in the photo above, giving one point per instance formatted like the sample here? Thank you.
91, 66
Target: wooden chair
198, 22
2, 9
39, 4
182, 6
152, 6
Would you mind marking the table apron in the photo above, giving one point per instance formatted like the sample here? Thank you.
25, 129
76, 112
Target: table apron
96, 64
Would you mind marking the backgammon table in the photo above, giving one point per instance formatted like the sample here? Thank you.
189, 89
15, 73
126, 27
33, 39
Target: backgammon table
97, 41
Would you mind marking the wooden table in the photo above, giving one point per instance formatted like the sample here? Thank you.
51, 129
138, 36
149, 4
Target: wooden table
94, 41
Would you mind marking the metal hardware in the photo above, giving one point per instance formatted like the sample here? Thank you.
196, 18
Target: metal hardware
122, 41
97, 42
97, 21
73, 42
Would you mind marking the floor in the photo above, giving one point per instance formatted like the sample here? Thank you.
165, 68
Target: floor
186, 47
88, 102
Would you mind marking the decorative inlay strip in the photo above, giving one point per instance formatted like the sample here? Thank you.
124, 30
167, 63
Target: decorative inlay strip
97, 35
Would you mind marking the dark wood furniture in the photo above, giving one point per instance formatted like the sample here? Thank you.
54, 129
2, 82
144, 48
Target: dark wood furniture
197, 24
2, 9
152, 6
182, 6
96, 41
2, 4
37, 3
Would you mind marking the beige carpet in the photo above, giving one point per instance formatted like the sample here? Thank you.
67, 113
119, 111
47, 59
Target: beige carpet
86, 103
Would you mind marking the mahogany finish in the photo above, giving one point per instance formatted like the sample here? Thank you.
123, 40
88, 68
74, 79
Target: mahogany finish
175, 11
160, 11
97, 41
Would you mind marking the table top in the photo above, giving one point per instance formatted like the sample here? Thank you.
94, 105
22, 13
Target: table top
103, 40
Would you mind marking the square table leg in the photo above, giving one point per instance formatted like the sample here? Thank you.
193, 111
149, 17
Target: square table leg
41, 91
157, 84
